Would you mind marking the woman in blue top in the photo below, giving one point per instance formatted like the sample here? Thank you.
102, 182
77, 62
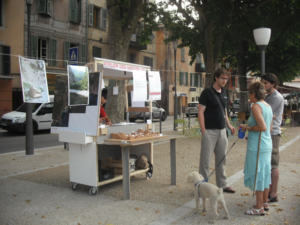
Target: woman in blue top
260, 121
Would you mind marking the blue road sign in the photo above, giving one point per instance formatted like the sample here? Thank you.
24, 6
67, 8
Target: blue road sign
73, 56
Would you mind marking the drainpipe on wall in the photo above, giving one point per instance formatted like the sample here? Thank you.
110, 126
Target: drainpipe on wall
86, 33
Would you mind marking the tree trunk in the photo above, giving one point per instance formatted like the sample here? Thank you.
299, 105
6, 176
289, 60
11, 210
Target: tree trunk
242, 71
120, 30
209, 58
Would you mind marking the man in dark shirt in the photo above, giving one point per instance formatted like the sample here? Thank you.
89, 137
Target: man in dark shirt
212, 120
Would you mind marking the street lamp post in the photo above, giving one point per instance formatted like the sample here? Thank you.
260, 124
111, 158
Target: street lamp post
175, 44
227, 65
262, 38
28, 130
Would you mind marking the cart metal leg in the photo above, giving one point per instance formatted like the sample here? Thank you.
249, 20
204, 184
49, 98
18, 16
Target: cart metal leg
126, 176
173, 161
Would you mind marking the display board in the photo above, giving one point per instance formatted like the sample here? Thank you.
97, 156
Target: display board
34, 80
83, 118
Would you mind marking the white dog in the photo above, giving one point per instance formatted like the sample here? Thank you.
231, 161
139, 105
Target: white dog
206, 190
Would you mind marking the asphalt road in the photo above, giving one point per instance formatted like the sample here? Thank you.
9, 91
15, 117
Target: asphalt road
11, 142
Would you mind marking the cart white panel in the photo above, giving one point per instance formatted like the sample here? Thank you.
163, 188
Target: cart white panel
83, 164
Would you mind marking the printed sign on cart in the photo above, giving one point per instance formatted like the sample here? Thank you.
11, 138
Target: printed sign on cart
70, 118
154, 85
139, 86
78, 80
34, 80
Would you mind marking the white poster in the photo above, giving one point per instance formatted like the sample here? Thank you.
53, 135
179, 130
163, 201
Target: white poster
78, 80
154, 85
139, 86
34, 80
136, 104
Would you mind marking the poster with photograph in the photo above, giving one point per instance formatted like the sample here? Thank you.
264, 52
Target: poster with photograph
82, 118
78, 83
34, 80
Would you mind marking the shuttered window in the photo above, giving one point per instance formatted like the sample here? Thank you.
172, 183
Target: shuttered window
34, 46
96, 52
97, 17
183, 78
182, 55
44, 7
75, 11
5, 59
148, 61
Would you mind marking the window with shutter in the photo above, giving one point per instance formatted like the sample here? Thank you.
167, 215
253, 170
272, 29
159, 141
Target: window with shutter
44, 7
91, 15
34, 47
96, 52
5, 59
186, 79
182, 55
48, 7
75, 11
196, 80
104, 19
132, 57
66, 53
53, 52
180, 78
148, 61
198, 58
191, 79
200, 80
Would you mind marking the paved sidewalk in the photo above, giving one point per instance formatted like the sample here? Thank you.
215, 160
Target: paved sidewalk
36, 190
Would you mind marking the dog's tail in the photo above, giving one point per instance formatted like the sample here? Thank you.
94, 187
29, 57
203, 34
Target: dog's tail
220, 191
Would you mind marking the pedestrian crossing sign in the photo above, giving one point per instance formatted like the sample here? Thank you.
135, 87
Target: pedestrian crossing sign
73, 56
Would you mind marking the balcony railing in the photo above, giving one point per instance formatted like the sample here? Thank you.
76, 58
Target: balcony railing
135, 43
200, 67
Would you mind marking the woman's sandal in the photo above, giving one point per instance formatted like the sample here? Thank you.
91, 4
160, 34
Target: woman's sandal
273, 199
255, 212
265, 205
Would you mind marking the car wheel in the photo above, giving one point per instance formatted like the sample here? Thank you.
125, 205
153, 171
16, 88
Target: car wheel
163, 116
131, 120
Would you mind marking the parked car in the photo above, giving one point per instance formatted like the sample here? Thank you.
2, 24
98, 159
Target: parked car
191, 109
236, 104
156, 109
15, 121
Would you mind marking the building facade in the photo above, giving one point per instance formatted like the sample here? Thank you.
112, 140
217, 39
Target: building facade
190, 78
11, 45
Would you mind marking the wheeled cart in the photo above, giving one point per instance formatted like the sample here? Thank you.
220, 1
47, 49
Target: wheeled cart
85, 153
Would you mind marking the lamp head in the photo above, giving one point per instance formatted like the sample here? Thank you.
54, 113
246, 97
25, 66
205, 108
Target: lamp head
227, 64
175, 44
29, 2
262, 37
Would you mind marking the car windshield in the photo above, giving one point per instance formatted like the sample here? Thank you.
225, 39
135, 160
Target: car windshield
23, 107
192, 104
236, 101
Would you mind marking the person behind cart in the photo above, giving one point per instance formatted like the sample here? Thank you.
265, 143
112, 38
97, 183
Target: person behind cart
103, 118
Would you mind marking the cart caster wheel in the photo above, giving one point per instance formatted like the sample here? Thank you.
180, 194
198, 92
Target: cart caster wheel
93, 191
148, 175
74, 187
